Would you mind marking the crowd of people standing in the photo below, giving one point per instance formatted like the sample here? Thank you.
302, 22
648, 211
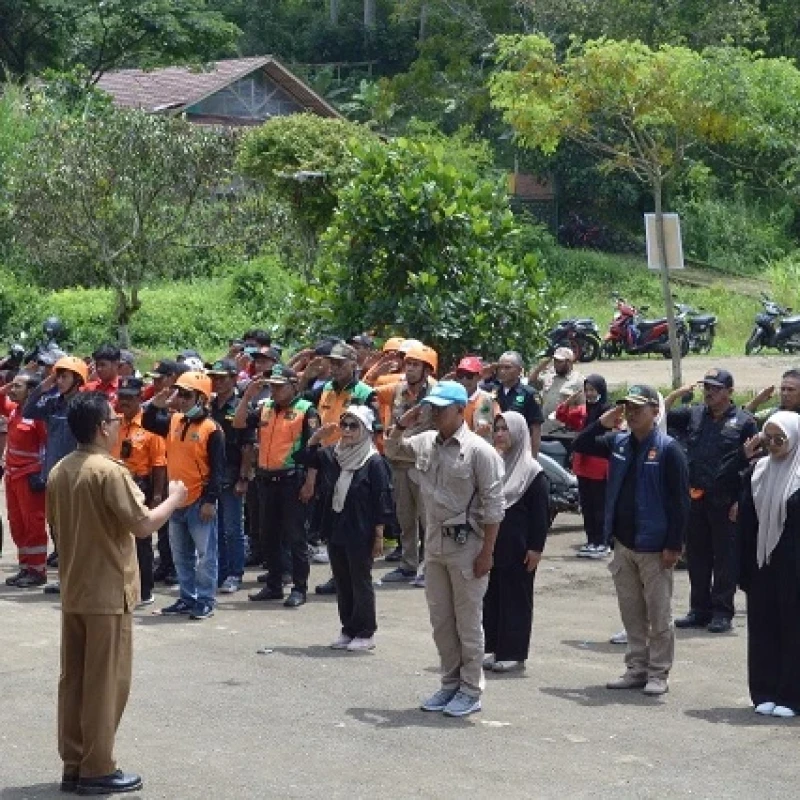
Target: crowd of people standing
260, 460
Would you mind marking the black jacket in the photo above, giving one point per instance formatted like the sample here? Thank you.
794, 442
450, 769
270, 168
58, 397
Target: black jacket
525, 525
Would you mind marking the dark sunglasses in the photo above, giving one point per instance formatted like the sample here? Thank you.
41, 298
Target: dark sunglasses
349, 426
777, 439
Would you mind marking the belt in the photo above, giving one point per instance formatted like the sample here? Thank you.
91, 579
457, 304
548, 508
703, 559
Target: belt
266, 475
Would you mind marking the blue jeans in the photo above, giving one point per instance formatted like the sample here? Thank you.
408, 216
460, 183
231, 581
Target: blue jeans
194, 551
231, 535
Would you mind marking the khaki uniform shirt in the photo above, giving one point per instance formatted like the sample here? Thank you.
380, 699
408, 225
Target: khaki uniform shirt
451, 474
92, 506
555, 389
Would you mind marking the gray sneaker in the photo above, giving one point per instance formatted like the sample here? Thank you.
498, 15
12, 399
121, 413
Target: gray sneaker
439, 700
399, 575
656, 687
462, 705
630, 680
231, 585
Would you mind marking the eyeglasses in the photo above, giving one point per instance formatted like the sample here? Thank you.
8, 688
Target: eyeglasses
466, 375
349, 426
776, 439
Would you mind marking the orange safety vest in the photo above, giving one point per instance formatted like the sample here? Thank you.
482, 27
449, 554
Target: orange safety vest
187, 454
332, 405
280, 434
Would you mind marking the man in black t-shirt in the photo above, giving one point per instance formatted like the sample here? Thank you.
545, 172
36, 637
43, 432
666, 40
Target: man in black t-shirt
512, 395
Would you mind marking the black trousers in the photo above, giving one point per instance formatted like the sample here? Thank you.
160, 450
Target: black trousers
355, 592
252, 522
593, 508
283, 520
145, 557
508, 612
710, 553
165, 551
773, 629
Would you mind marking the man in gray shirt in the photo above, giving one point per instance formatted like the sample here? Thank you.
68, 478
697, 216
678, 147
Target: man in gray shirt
461, 482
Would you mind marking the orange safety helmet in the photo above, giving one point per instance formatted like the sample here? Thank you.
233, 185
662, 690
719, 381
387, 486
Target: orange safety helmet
195, 382
425, 354
392, 343
73, 364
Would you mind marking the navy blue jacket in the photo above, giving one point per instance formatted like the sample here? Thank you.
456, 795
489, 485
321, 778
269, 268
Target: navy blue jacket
52, 409
661, 484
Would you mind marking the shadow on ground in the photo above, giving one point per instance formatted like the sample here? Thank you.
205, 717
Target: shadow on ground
599, 696
383, 718
738, 716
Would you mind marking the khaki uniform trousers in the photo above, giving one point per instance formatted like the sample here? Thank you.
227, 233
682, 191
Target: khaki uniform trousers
455, 604
409, 514
644, 594
96, 664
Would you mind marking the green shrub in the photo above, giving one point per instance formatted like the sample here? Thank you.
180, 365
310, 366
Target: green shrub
783, 277
736, 235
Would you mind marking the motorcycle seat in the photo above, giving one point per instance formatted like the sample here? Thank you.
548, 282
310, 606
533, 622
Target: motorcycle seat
583, 322
651, 323
703, 319
791, 320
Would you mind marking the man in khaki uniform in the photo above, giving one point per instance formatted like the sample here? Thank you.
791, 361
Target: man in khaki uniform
461, 482
95, 507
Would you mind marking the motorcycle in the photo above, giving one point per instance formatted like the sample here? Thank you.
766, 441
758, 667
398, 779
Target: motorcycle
774, 328
700, 327
564, 495
582, 336
630, 333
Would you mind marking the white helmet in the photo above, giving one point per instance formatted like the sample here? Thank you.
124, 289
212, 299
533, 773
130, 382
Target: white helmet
194, 364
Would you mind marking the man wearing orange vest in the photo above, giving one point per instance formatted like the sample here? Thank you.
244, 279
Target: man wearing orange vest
195, 456
24, 486
285, 422
481, 407
395, 399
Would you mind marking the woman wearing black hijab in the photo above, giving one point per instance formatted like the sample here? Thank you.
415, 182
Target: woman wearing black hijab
591, 471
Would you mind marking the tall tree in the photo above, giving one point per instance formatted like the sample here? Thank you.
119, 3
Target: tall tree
106, 201
640, 109
106, 34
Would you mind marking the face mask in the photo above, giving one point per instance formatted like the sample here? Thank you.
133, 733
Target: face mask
194, 412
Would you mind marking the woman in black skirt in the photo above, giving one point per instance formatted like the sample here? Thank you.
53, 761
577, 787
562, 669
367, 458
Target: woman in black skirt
508, 603
769, 568
356, 484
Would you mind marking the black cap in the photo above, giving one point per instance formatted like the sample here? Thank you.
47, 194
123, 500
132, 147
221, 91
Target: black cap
265, 352
718, 377
640, 395
126, 357
189, 354
130, 386
167, 367
225, 366
281, 374
363, 339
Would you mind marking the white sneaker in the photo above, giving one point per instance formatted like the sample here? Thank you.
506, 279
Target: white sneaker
619, 638
230, 585
489, 661
358, 644
320, 555
146, 602
600, 551
765, 708
508, 666
783, 711
341, 643
584, 550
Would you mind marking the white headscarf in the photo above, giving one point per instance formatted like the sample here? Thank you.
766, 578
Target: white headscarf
774, 481
352, 457
521, 466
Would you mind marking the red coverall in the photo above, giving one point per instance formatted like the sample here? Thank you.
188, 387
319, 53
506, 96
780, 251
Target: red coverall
26, 517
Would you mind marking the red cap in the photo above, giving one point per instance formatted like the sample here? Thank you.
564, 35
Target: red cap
471, 364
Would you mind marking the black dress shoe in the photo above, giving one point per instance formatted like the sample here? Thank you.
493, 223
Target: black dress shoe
719, 625
329, 587
693, 620
263, 577
295, 599
52, 588
116, 783
69, 782
267, 594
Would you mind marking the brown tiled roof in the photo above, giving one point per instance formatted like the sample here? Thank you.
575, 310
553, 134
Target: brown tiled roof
175, 88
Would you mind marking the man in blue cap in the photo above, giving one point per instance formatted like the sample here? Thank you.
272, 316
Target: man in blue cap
461, 482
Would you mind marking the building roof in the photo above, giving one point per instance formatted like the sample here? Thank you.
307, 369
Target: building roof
173, 89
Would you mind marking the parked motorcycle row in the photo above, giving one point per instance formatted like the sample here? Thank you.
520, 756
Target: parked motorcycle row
774, 328
630, 332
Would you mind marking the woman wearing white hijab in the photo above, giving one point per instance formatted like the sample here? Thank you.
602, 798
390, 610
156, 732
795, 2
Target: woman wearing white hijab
508, 603
769, 539
358, 487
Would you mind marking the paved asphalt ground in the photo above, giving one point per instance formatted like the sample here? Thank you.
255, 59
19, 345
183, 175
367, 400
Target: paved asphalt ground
209, 717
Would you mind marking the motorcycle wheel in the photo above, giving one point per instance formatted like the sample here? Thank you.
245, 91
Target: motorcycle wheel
706, 344
684, 345
608, 350
589, 348
755, 344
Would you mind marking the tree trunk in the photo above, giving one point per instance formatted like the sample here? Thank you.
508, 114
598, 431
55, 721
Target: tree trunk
124, 310
334, 11
423, 22
674, 345
370, 14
